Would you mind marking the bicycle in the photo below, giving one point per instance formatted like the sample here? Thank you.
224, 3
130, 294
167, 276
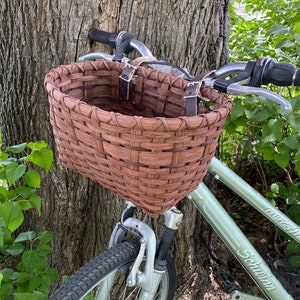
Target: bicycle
147, 270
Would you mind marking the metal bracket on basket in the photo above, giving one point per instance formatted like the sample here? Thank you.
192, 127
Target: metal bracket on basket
126, 78
191, 95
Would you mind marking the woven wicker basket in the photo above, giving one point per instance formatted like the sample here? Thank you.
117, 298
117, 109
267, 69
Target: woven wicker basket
144, 149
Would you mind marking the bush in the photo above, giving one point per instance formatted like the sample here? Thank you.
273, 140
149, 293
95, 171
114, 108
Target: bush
23, 255
259, 131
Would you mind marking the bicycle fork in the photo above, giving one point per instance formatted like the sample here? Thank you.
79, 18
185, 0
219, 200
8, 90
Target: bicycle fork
152, 257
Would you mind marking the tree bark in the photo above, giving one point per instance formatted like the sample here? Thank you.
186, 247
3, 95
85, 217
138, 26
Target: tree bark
38, 35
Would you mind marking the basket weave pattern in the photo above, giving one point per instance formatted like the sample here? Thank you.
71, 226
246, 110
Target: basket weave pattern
144, 149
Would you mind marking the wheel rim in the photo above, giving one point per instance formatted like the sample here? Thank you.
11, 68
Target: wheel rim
114, 286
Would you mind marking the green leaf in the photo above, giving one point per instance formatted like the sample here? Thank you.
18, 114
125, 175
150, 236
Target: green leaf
267, 149
292, 142
293, 246
285, 43
297, 28
42, 158
295, 102
8, 274
36, 203
8, 161
27, 296
297, 38
14, 172
294, 213
32, 178
24, 191
3, 156
6, 291
237, 111
259, 114
282, 159
45, 236
36, 258
25, 236
1, 238
6, 238
17, 148
15, 249
24, 204
295, 260
23, 277
278, 30
12, 215
37, 145
294, 120
297, 156
275, 126
4, 194
35, 295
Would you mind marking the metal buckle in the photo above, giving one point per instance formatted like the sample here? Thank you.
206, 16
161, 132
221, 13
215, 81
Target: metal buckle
128, 77
193, 88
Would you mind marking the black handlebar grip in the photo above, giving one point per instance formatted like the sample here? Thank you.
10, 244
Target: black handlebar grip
280, 74
108, 38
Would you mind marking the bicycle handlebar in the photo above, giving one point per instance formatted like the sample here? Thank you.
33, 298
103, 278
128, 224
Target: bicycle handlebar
123, 42
250, 76
104, 37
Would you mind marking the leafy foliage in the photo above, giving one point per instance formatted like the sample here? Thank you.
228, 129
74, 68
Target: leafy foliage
23, 255
259, 131
272, 29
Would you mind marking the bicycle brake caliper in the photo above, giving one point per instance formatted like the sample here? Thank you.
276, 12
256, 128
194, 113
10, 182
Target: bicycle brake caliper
146, 254
135, 270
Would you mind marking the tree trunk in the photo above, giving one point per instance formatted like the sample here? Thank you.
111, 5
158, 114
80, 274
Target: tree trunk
38, 35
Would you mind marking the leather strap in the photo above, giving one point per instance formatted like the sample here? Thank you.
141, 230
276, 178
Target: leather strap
191, 99
192, 93
128, 73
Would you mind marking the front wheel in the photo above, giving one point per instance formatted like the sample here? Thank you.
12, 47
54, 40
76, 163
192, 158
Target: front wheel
94, 280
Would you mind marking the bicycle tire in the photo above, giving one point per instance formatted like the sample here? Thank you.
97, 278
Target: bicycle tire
119, 257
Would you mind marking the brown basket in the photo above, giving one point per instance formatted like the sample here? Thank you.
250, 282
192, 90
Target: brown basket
144, 149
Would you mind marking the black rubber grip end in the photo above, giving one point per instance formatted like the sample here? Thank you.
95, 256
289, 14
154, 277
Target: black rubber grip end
280, 74
108, 38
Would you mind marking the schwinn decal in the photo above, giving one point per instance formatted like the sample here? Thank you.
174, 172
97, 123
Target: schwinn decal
255, 266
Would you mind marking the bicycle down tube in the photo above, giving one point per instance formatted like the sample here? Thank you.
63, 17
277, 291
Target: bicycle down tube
233, 237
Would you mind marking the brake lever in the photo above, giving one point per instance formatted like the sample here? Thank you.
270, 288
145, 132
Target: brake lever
243, 90
240, 88
237, 89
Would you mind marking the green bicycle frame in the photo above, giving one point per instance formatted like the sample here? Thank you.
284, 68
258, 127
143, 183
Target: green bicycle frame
233, 237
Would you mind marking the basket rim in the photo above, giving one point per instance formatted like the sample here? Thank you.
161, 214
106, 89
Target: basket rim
127, 121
